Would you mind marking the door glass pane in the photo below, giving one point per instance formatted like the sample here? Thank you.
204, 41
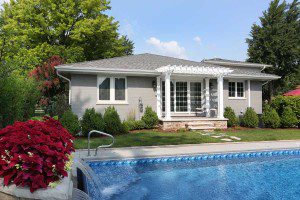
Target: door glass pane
119, 88
195, 95
181, 96
164, 95
104, 88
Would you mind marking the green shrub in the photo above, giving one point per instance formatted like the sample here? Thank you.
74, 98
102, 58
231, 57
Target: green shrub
18, 99
58, 105
37, 118
270, 118
150, 118
139, 125
69, 120
281, 102
232, 118
91, 120
113, 124
288, 118
134, 125
250, 118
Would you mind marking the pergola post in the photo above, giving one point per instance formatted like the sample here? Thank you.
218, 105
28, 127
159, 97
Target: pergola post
168, 96
207, 103
220, 98
158, 97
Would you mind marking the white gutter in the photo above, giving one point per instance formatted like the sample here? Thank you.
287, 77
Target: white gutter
63, 77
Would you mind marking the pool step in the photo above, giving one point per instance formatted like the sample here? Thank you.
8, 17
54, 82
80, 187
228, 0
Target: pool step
193, 126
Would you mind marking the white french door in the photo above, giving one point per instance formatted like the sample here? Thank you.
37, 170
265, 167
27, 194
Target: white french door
185, 96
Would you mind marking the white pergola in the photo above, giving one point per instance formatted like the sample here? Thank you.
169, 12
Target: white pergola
207, 72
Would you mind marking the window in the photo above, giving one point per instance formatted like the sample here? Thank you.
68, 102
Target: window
231, 88
120, 89
236, 89
112, 89
104, 88
240, 89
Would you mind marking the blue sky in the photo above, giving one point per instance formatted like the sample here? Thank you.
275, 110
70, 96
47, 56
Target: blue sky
191, 29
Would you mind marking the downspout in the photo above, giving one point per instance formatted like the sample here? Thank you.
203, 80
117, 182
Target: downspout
63, 77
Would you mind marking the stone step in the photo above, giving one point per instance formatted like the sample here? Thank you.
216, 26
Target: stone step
199, 124
200, 128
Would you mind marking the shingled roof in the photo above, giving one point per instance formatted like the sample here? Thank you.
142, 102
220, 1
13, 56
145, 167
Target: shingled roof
151, 62
144, 61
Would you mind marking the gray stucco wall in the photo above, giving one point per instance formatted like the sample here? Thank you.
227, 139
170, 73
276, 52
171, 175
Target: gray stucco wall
240, 105
84, 95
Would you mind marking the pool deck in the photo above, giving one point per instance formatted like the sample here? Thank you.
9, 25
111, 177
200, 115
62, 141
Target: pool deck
192, 149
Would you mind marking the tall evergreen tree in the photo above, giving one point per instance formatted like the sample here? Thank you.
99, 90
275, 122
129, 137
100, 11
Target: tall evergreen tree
31, 31
276, 41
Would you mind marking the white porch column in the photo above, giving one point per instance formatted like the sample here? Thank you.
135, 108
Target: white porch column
158, 97
220, 98
168, 96
249, 94
207, 103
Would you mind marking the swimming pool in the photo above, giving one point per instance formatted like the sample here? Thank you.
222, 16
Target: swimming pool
251, 175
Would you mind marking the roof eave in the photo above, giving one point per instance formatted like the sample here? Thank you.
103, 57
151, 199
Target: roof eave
90, 70
253, 76
256, 65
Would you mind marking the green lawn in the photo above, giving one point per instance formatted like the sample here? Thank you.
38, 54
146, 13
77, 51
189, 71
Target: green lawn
152, 138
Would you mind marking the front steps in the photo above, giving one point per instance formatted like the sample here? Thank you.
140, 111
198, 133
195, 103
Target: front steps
199, 125
192, 123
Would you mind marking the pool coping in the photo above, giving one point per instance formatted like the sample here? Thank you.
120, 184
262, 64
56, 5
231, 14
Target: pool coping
187, 149
203, 157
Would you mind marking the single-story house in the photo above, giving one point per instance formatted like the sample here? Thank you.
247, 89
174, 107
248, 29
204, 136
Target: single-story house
184, 93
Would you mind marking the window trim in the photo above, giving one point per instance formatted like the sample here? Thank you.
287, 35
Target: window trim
112, 91
235, 92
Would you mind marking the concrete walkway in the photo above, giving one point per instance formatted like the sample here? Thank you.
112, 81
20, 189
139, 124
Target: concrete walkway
175, 150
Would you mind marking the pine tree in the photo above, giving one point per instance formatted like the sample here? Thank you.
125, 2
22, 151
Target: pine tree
276, 41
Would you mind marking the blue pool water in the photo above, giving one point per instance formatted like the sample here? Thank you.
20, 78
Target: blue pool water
232, 176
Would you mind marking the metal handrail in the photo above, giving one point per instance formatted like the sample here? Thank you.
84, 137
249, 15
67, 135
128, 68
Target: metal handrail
102, 146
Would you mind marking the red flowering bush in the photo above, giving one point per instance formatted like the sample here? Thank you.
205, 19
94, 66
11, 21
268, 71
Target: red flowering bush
34, 153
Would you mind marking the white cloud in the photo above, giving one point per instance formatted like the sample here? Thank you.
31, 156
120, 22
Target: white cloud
127, 29
171, 48
198, 40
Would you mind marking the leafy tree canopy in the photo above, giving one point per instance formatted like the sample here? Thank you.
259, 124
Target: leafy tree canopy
31, 31
276, 41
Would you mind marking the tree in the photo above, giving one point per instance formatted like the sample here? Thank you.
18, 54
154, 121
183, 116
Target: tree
50, 84
54, 91
276, 41
77, 30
